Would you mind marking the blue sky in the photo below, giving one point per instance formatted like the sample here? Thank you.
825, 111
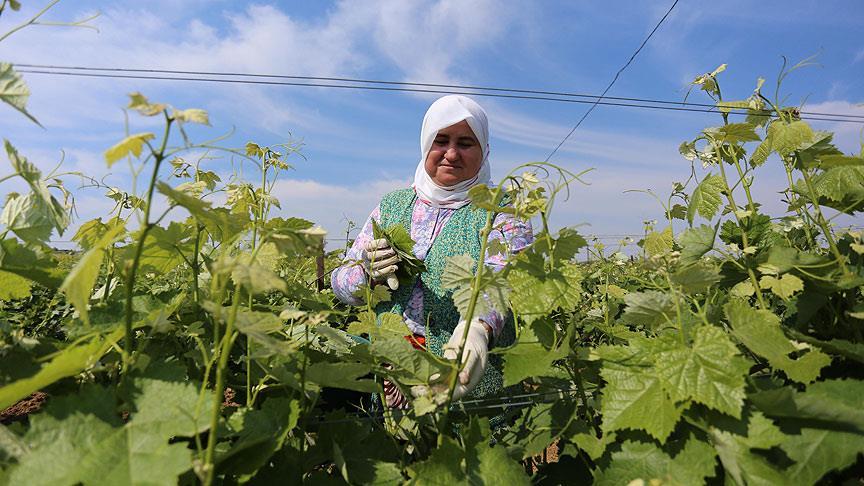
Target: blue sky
361, 144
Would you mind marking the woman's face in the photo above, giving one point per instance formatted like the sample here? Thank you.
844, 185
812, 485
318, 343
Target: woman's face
455, 155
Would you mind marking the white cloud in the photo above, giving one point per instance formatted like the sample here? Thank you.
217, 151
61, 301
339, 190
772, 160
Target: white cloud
332, 205
848, 137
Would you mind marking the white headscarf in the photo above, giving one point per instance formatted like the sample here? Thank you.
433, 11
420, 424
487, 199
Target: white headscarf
444, 112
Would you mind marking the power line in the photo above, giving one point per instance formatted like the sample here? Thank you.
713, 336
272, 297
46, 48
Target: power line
406, 83
575, 127
647, 105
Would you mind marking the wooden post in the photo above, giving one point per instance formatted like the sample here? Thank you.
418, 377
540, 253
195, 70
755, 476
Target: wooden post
319, 270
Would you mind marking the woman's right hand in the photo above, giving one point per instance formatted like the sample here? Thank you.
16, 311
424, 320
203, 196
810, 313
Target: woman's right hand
379, 261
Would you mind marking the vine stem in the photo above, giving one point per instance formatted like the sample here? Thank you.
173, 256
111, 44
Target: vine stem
469, 314
820, 220
753, 281
32, 20
128, 338
224, 352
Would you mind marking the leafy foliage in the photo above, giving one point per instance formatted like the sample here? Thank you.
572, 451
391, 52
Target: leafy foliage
210, 348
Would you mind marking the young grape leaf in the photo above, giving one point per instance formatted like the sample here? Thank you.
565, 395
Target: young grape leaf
84, 446
259, 433
740, 463
191, 115
634, 397
133, 144
444, 466
818, 451
847, 349
13, 286
783, 287
788, 137
710, 371
695, 279
400, 241
645, 463
696, 242
706, 198
829, 401
13, 91
529, 358
734, 133
760, 331
659, 242
78, 285
459, 276
537, 292
650, 308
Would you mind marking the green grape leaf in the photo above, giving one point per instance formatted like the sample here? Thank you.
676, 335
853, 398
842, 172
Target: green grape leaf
345, 375
400, 241
409, 366
78, 285
133, 144
847, 349
840, 160
164, 248
644, 463
834, 401
659, 242
34, 215
13, 286
710, 371
818, 451
537, 291
261, 328
760, 331
841, 188
24, 262
742, 465
22, 167
89, 233
495, 467
259, 433
696, 279
706, 198
529, 358
444, 467
83, 445
387, 323
633, 397
784, 287
220, 223
788, 137
568, 242
256, 278
13, 91
650, 308
734, 133
459, 277
696, 242
677, 211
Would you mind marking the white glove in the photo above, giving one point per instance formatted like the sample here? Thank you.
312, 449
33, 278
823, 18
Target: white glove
474, 360
379, 261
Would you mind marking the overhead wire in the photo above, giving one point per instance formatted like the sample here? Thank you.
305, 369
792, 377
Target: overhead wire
622, 102
407, 83
611, 83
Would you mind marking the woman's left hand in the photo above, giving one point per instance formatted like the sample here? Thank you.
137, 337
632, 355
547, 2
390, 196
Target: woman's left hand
474, 360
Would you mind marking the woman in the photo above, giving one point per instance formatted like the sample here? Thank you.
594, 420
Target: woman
442, 221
